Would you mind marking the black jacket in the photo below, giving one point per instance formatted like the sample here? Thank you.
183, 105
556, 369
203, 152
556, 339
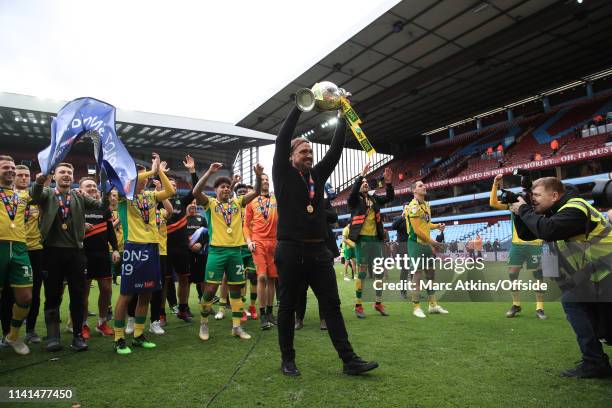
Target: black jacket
553, 225
359, 209
291, 188
332, 218
399, 225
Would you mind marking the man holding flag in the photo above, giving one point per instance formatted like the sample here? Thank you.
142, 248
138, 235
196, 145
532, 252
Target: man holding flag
62, 223
62, 227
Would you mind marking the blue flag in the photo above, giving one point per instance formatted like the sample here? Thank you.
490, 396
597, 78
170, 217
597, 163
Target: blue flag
97, 118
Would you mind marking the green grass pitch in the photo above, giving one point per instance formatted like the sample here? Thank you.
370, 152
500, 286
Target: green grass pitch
473, 357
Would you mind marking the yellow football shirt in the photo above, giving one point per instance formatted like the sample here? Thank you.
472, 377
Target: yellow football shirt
13, 230
222, 234
369, 224
137, 227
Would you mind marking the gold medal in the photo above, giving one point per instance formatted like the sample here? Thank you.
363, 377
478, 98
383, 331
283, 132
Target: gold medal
12, 225
310, 208
64, 226
229, 230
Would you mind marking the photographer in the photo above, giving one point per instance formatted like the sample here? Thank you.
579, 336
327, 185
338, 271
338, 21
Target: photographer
578, 242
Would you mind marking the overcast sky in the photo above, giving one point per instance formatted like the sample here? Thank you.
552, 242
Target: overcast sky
214, 60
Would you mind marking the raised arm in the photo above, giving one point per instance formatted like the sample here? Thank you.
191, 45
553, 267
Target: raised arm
167, 189
189, 164
38, 192
280, 162
493, 201
389, 192
198, 189
250, 196
353, 198
328, 163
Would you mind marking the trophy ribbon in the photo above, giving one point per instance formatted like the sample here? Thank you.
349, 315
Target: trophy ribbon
354, 121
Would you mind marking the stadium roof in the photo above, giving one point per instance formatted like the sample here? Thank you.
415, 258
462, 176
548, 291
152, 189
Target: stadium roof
26, 120
424, 64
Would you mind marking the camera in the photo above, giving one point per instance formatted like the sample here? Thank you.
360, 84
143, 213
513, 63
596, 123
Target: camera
525, 176
508, 197
602, 193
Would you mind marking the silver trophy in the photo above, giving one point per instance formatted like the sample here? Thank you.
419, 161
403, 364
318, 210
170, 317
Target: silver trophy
324, 96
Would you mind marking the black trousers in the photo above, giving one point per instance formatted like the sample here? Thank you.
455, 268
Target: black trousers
298, 263
300, 309
67, 264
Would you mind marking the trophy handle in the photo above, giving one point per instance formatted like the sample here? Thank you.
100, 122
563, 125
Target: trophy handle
305, 100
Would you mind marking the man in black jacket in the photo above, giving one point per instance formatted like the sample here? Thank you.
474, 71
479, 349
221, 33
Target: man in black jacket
301, 253
578, 250
367, 231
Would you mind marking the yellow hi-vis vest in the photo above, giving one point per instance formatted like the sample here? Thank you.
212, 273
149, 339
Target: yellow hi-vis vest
590, 253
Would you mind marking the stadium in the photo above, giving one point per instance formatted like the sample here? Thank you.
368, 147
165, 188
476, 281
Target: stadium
472, 109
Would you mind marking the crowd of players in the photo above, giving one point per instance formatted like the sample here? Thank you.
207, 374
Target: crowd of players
54, 236
66, 237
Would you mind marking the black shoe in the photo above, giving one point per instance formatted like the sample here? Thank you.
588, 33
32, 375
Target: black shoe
272, 319
53, 344
513, 311
541, 315
587, 369
189, 314
289, 368
299, 323
263, 322
184, 317
357, 366
323, 324
78, 343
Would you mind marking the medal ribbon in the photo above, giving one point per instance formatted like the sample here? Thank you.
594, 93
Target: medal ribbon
265, 210
143, 206
10, 204
158, 217
227, 214
309, 186
64, 208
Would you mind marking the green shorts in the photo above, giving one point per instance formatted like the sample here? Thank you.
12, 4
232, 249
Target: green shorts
349, 253
247, 258
367, 248
249, 264
15, 267
416, 250
520, 254
225, 260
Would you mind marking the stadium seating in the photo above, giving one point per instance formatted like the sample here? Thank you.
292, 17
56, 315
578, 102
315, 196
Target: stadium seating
501, 230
